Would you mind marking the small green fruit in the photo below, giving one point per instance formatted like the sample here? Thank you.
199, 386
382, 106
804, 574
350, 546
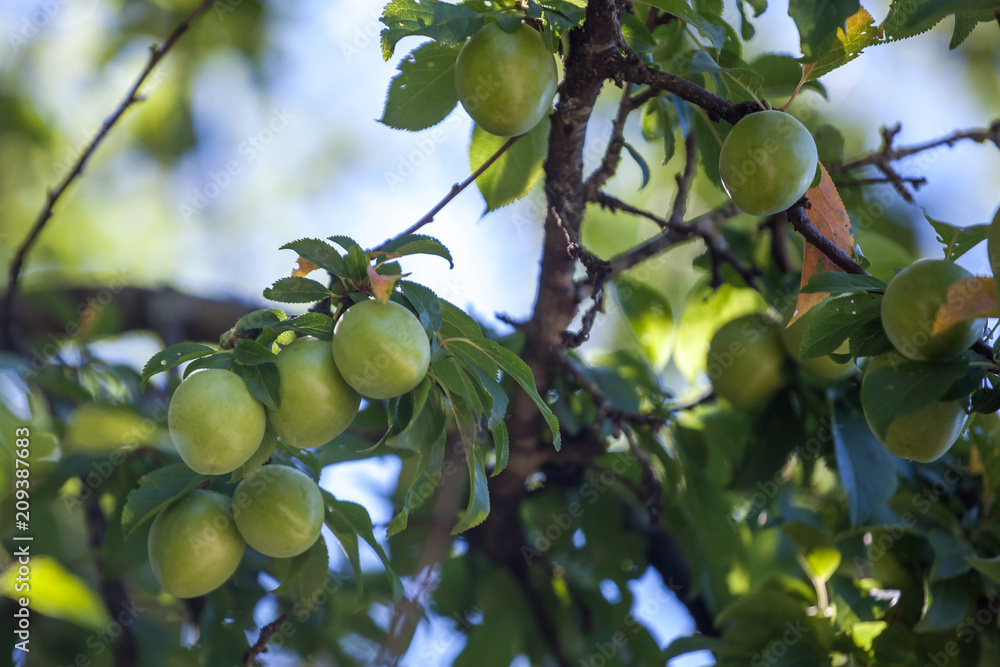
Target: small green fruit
746, 361
279, 511
193, 544
381, 349
823, 366
767, 162
316, 403
214, 422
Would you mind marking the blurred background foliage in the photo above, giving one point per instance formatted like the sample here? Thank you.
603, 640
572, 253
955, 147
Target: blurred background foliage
260, 128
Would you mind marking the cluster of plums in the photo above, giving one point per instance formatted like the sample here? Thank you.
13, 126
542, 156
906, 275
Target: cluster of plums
379, 350
748, 359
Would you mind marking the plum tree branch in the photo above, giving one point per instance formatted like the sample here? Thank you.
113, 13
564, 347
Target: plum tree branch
156, 55
266, 632
613, 155
454, 192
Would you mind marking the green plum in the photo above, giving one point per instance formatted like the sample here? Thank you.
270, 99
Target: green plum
506, 80
746, 361
193, 544
214, 422
911, 304
381, 349
279, 511
924, 435
767, 162
316, 403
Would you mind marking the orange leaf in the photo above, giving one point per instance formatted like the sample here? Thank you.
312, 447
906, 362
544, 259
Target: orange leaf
968, 299
828, 215
304, 268
382, 286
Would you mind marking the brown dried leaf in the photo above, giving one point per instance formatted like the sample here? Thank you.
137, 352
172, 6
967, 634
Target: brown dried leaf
828, 215
968, 299
304, 268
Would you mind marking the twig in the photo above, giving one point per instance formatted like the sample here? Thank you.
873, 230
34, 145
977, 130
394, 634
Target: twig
684, 179
454, 192
779, 248
613, 155
801, 223
156, 55
605, 408
917, 182
654, 489
266, 632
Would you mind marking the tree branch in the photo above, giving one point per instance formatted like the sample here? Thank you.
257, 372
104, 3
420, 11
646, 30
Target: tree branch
797, 216
613, 155
268, 631
455, 190
156, 55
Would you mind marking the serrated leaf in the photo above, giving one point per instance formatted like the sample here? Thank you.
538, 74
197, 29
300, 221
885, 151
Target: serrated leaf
425, 480
425, 302
157, 490
958, 240
832, 282
929, 12
359, 519
307, 573
968, 299
836, 320
827, 214
320, 253
896, 25
445, 23
348, 539
747, 82
867, 470
819, 20
252, 353
896, 392
844, 46
501, 444
716, 34
416, 244
781, 72
263, 382
259, 457
345, 242
869, 340
479, 495
171, 357
259, 319
357, 265
636, 35
516, 171
639, 160
829, 144
423, 93
296, 290
965, 23
316, 325
426, 423
221, 360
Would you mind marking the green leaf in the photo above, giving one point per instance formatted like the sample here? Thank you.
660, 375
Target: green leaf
716, 34
357, 265
636, 35
818, 20
416, 244
252, 353
221, 360
358, 518
259, 458
348, 538
946, 604
423, 93
836, 319
345, 242
427, 421
683, 645
320, 253
867, 469
639, 160
829, 144
172, 357
307, 573
709, 137
425, 302
747, 82
869, 340
479, 495
316, 325
781, 73
965, 23
516, 171
958, 240
894, 393
845, 45
987, 566
501, 445
928, 13
445, 23
491, 356
649, 315
262, 381
896, 25
839, 283
656, 124
55, 591
259, 319
951, 555
817, 549
425, 481
456, 324
157, 490
296, 290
